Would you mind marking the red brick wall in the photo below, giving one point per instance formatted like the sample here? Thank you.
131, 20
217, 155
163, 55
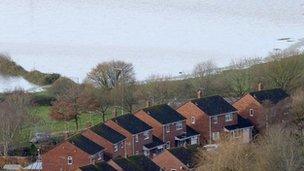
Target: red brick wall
109, 147
56, 158
201, 125
138, 146
245, 104
158, 128
168, 162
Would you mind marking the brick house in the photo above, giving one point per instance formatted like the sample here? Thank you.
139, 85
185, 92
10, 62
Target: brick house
138, 133
113, 142
168, 125
254, 106
178, 159
134, 163
73, 153
210, 115
102, 166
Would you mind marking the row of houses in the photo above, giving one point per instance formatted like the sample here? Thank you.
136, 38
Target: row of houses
161, 135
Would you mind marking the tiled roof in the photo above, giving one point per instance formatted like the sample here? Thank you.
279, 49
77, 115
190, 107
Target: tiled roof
214, 105
131, 123
85, 144
103, 166
242, 123
156, 142
137, 163
186, 155
273, 95
108, 133
164, 114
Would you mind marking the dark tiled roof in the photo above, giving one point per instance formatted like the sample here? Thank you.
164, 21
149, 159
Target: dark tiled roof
242, 123
85, 144
131, 123
144, 163
213, 105
156, 142
186, 155
273, 95
98, 167
190, 132
108, 133
126, 165
164, 114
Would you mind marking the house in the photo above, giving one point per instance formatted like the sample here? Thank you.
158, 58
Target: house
138, 133
113, 142
178, 159
209, 116
263, 106
168, 125
134, 163
71, 154
102, 166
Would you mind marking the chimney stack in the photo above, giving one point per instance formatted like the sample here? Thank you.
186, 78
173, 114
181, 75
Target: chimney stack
199, 93
260, 87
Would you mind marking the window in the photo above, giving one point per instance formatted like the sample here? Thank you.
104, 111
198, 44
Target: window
100, 155
168, 145
215, 136
215, 120
229, 117
136, 138
167, 128
193, 120
70, 160
146, 135
179, 125
251, 112
121, 145
115, 148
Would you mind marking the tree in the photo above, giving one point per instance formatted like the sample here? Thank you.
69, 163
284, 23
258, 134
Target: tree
110, 74
203, 71
13, 116
69, 106
157, 89
285, 70
61, 86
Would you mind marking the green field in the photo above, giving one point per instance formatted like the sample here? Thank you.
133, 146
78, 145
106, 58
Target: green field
46, 124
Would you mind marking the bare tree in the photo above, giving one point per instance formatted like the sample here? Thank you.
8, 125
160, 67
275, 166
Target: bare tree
203, 71
110, 74
13, 116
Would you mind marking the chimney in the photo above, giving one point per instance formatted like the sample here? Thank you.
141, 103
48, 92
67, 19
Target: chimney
148, 103
199, 93
260, 87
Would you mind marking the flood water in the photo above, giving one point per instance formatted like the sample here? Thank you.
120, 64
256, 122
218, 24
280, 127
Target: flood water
157, 36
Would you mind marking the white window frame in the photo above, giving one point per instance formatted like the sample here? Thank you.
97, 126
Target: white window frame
121, 144
192, 120
167, 128
136, 138
70, 160
251, 112
100, 155
146, 135
215, 136
229, 117
115, 147
179, 125
215, 120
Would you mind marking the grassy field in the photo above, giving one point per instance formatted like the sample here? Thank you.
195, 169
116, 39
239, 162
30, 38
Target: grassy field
48, 125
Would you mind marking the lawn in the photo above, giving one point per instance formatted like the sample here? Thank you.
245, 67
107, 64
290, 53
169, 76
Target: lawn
48, 125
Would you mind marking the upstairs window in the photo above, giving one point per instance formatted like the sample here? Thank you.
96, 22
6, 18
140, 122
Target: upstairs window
179, 125
215, 120
70, 160
167, 128
146, 135
229, 117
115, 148
251, 112
192, 120
136, 138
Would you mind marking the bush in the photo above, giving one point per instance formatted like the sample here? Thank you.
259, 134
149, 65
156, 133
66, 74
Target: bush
42, 99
